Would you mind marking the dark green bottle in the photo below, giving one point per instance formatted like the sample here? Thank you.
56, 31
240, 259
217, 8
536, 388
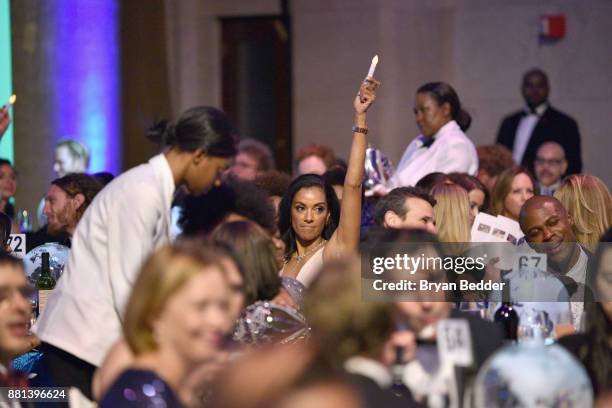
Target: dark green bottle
45, 283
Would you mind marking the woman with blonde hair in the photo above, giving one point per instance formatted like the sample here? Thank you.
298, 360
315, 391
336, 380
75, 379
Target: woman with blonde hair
452, 213
176, 318
514, 186
587, 200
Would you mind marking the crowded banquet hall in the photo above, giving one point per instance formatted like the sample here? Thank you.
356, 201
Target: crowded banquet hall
291, 203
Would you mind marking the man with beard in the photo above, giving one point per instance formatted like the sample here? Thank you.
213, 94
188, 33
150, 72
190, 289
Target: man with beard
550, 166
65, 203
548, 229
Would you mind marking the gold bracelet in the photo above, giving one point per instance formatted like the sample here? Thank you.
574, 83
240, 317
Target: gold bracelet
357, 129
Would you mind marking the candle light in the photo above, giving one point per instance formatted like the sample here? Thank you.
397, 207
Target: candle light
373, 66
12, 99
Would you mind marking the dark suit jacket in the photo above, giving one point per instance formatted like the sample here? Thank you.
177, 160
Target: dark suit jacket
487, 338
553, 126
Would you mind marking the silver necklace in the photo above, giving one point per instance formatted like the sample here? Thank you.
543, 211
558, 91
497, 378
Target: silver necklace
300, 258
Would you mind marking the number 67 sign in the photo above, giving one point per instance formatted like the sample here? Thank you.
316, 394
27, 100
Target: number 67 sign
17, 242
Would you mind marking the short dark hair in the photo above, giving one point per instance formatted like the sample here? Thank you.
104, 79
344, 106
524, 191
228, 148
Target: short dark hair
79, 183
259, 151
535, 71
335, 176
201, 214
396, 201
273, 182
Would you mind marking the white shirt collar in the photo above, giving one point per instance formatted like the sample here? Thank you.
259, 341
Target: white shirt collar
369, 368
448, 128
162, 168
539, 110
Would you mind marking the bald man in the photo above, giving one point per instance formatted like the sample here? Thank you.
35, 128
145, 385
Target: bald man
548, 229
550, 166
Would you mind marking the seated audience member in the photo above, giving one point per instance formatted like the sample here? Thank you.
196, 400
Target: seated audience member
176, 318
5, 232
275, 183
592, 347
429, 181
315, 159
15, 311
233, 200
256, 253
513, 187
477, 192
335, 178
66, 202
587, 200
352, 334
452, 213
548, 229
423, 373
492, 161
120, 357
252, 160
406, 208
8, 187
549, 167
71, 156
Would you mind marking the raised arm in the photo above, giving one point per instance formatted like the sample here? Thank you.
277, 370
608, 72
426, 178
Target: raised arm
345, 239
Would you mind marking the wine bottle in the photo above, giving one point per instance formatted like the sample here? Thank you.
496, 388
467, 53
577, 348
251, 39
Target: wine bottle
45, 283
507, 317
398, 387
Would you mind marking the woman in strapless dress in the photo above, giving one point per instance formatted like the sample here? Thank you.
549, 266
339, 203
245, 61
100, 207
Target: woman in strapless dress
312, 223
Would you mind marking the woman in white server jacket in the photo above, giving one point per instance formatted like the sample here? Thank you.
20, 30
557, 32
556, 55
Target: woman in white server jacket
126, 221
442, 145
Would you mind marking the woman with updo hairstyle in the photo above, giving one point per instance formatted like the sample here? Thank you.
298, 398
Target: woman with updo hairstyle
587, 199
442, 145
126, 221
313, 225
514, 186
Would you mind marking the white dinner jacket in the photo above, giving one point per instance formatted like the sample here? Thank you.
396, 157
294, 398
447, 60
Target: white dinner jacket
451, 151
126, 221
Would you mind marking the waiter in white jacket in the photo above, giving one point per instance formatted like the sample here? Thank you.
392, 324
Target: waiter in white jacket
442, 146
126, 221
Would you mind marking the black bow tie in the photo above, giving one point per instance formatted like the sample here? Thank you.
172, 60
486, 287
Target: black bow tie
427, 141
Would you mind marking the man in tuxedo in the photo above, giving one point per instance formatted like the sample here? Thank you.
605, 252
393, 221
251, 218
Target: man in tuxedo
525, 131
